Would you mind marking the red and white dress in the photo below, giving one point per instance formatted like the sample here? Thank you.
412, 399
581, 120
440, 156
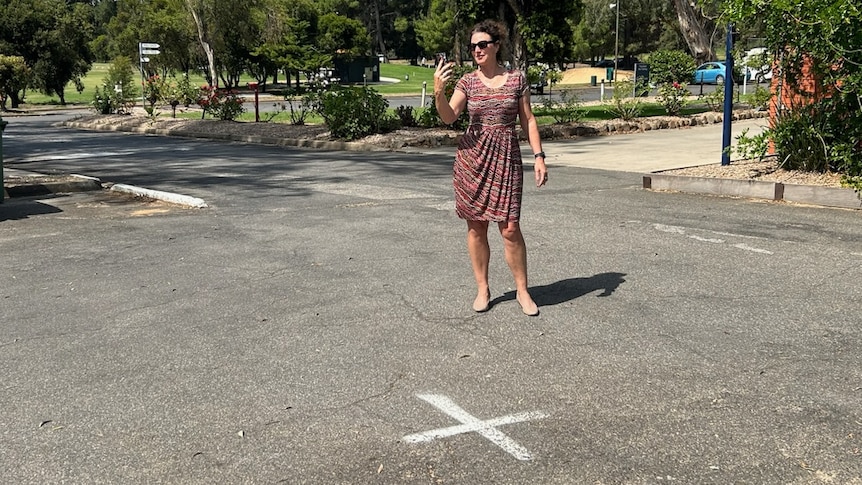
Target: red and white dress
488, 174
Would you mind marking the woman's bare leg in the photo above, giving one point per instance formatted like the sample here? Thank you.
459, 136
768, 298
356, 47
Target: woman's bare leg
516, 256
480, 256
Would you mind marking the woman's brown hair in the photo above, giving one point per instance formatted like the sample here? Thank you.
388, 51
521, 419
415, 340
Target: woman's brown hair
498, 32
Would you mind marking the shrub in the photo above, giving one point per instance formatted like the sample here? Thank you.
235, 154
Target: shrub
154, 89
352, 113
15, 75
118, 92
820, 137
671, 66
102, 101
428, 117
568, 110
752, 146
761, 98
623, 104
405, 115
714, 100
672, 96
186, 92
220, 104
301, 105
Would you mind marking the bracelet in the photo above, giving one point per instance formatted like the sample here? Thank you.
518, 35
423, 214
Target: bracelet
540, 154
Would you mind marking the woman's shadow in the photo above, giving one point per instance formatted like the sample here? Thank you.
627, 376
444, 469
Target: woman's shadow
569, 289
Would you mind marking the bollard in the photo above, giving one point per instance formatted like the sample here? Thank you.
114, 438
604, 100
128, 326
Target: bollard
2, 128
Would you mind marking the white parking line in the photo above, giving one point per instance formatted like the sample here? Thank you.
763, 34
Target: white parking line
682, 231
752, 249
706, 239
471, 423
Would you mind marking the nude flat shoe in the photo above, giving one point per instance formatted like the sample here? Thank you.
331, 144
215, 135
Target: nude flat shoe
480, 306
532, 311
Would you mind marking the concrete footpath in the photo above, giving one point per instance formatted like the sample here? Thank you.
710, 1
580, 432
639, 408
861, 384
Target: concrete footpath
649, 151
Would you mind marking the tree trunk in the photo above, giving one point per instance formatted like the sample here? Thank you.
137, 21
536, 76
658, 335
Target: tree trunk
516, 41
378, 29
693, 24
203, 36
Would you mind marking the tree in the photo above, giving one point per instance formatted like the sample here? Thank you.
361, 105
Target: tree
53, 38
547, 30
289, 42
436, 29
342, 37
594, 34
538, 28
697, 25
14, 77
816, 44
200, 11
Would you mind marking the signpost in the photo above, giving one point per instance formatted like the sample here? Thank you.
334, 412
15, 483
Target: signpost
146, 49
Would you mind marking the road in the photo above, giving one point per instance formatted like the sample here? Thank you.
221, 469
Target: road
313, 325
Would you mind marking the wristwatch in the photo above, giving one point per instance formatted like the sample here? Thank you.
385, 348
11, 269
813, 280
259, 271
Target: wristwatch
540, 154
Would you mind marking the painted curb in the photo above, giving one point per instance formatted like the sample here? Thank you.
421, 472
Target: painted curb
171, 197
844, 198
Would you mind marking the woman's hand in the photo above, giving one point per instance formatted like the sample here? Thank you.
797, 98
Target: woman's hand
541, 171
442, 75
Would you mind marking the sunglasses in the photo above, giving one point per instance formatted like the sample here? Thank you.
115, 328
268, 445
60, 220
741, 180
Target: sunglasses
482, 44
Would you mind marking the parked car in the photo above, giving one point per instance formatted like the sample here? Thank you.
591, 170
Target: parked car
714, 72
759, 64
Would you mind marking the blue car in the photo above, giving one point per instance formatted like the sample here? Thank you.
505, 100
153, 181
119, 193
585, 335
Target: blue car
714, 72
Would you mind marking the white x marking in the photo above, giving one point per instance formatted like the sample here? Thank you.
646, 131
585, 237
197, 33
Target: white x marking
470, 423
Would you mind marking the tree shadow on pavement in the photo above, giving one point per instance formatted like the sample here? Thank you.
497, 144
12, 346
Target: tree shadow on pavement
569, 289
22, 208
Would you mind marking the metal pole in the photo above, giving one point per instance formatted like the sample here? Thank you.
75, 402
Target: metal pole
2, 129
617, 44
728, 96
143, 80
424, 90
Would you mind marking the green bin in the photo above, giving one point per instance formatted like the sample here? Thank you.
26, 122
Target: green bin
592, 80
610, 74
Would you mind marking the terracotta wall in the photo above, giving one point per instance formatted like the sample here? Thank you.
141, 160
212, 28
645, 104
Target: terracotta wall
786, 96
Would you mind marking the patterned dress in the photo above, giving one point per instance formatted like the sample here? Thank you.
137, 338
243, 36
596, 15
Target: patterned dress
488, 175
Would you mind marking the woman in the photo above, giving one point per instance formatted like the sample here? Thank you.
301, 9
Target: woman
488, 174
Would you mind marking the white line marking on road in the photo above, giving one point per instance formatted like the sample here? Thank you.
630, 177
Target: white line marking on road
706, 239
720, 233
749, 248
470, 423
671, 229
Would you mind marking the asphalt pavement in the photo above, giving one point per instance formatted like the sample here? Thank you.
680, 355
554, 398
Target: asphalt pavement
313, 324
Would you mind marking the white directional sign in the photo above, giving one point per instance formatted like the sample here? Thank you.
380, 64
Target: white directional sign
149, 45
150, 52
145, 59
